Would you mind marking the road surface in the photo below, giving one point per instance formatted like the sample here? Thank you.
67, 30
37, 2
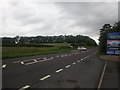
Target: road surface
75, 69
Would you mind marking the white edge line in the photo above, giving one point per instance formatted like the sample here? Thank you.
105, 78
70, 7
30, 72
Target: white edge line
45, 77
25, 87
101, 78
59, 70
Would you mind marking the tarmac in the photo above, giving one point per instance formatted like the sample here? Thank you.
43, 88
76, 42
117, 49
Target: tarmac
112, 72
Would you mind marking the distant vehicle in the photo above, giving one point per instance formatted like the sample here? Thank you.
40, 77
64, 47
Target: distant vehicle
81, 48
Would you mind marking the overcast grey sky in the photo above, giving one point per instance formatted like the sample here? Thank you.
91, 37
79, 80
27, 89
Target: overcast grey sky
56, 18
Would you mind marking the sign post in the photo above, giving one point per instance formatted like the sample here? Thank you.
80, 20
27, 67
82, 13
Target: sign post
113, 43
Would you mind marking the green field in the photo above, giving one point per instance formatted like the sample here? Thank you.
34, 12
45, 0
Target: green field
12, 52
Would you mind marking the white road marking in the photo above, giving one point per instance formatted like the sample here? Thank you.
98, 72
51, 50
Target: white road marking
78, 61
25, 60
65, 54
62, 55
22, 62
45, 77
102, 76
35, 60
68, 66
89, 56
85, 58
82, 59
51, 57
59, 70
57, 56
45, 58
25, 87
3, 66
74, 63
30, 63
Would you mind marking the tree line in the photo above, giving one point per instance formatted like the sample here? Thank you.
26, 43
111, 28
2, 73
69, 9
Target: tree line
83, 40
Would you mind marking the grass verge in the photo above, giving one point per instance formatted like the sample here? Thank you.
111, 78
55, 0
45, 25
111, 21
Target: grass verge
14, 52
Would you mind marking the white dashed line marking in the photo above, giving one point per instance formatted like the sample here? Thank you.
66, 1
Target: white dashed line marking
74, 63
66, 55
45, 58
22, 62
51, 57
57, 56
35, 60
62, 55
81, 59
25, 87
59, 70
30, 63
45, 77
78, 61
85, 58
68, 66
3, 66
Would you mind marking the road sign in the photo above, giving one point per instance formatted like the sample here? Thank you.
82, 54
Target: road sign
113, 43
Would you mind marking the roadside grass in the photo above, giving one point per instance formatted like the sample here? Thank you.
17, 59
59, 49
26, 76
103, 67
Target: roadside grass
14, 52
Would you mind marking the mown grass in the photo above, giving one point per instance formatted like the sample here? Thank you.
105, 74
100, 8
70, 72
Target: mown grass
13, 52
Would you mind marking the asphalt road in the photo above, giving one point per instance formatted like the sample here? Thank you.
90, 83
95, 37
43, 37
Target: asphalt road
76, 69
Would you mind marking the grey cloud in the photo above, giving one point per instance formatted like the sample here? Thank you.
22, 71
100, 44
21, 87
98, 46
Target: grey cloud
62, 18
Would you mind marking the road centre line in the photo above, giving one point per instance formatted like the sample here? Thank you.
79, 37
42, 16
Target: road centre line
30, 63
25, 87
51, 57
57, 56
67, 66
37, 61
62, 55
27, 60
74, 63
59, 70
3, 66
22, 62
45, 77
45, 58
82, 59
